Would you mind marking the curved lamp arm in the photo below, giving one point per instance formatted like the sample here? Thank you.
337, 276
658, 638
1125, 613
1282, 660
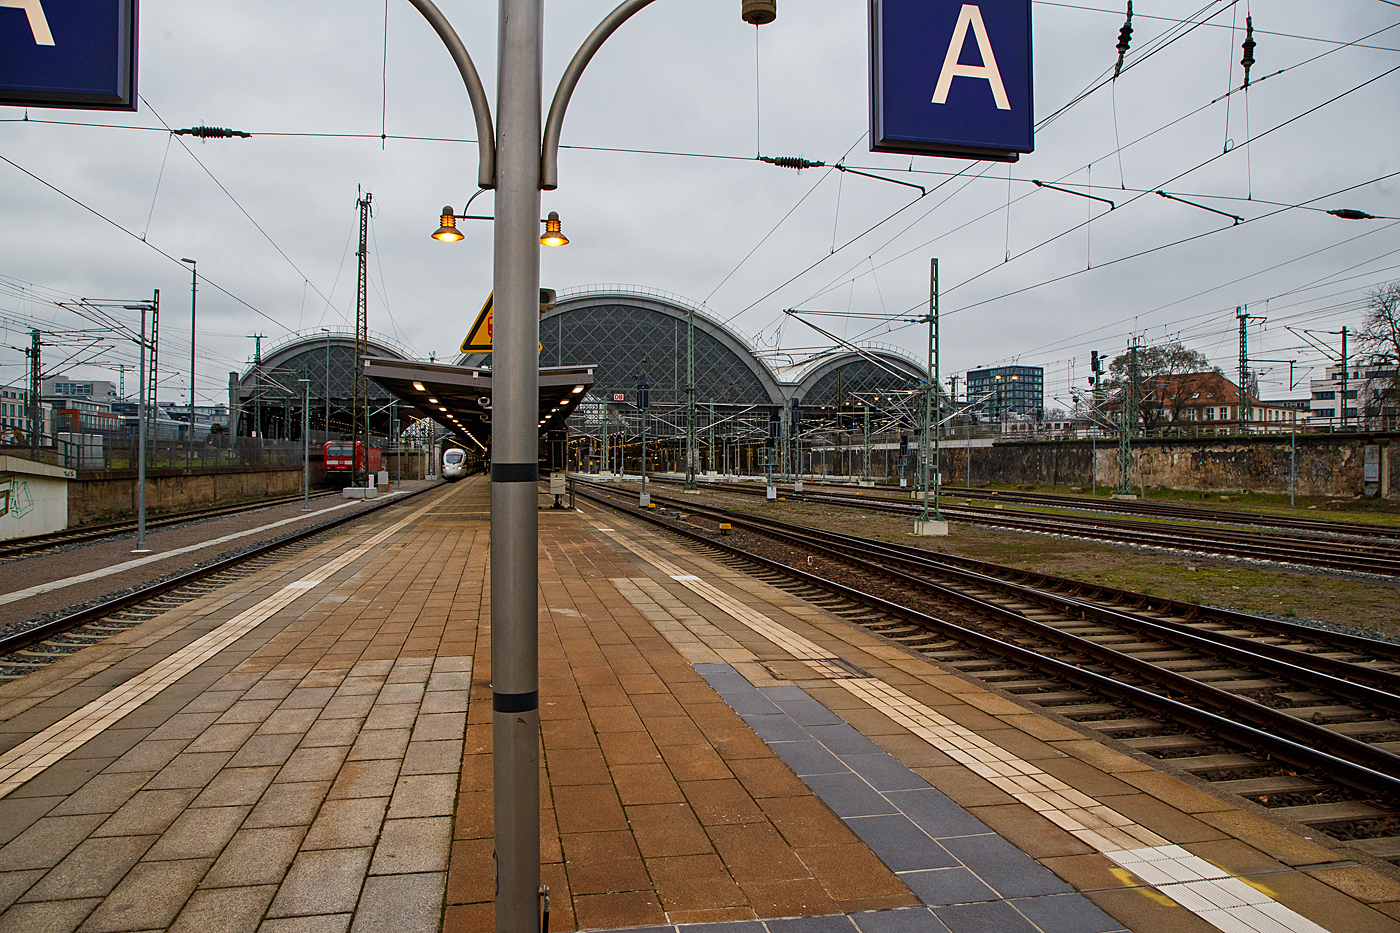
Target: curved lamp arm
554, 122
481, 105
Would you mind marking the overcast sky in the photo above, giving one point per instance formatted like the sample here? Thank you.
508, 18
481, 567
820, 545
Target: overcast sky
271, 219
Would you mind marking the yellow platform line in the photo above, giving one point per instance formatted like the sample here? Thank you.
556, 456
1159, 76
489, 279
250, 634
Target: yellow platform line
31, 757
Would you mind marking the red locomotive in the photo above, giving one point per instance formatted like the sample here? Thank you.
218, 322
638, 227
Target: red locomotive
345, 458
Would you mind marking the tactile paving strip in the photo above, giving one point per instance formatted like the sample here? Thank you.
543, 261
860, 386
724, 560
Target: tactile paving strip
1226, 902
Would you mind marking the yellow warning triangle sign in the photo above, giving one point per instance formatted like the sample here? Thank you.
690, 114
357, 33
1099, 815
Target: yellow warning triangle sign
479, 337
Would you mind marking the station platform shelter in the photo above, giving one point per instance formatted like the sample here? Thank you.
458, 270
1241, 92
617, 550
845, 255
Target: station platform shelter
308, 748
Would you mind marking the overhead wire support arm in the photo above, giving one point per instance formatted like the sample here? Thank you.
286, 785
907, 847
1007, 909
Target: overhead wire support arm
854, 348
1235, 217
481, 104
1092, 197
894, 181
798, 163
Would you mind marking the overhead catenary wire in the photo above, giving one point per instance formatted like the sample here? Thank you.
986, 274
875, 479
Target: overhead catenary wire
235, 201
1143, 138
781, 221
1176, 243
1176, 177
1154, 45
877, 265
1066, 341
135, 236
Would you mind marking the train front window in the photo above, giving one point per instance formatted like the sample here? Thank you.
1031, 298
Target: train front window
340, 450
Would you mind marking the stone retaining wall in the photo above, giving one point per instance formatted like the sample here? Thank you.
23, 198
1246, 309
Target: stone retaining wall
1328, 465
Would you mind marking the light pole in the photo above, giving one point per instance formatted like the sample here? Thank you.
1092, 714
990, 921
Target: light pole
305, 445
926, 523
1096, 367
690, 452
519, 157
142, 416
194, 294
644, 403
326, 425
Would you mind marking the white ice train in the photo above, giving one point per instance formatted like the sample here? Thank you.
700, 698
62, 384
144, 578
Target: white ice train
454, 464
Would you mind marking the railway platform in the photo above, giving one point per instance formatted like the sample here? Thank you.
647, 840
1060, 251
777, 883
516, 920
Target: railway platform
307, 749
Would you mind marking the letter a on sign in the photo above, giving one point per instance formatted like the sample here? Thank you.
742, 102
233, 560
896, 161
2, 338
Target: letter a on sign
971, 16
951, 78
69, 54
38, 23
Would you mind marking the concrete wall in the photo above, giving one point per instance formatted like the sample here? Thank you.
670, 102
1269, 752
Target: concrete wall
412, 463
110, 495
1328, 465
33, 498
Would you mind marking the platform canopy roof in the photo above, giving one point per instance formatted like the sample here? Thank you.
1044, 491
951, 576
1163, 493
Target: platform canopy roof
459, 397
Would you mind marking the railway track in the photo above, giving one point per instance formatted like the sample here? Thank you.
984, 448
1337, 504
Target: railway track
1145, 508
25, 648
21, 547
1296, 720
1378, 556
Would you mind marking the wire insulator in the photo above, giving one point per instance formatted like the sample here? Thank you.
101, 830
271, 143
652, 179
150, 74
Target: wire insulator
1248, 47
793, 162
1125, 39
1347, 213
210, 132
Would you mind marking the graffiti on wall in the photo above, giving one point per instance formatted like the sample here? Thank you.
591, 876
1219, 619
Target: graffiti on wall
15, 499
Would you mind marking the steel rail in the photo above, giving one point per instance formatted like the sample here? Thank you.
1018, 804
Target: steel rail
1294, 663
1357, 643
28, 545
1233, 649
1145, 509
1266, 538
1295, 741
1305, 550
1175, 510
18, 640
1107, 594
1377, 536
1179, 539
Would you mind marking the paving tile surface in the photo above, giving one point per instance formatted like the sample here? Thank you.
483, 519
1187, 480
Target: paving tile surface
240, 808
330, 771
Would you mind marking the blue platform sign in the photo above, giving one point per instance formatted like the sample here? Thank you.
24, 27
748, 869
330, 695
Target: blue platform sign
951, 78
71, 54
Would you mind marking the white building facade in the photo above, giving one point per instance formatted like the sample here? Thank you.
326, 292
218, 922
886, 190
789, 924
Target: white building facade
1355, 397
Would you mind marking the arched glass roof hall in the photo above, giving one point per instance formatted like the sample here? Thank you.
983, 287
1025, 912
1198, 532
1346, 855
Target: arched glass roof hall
625, 331
266, 399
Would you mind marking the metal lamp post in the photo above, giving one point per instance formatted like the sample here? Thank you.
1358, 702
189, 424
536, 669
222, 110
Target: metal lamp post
519, 157
326, 425
932, 421
305, 445
142, 417
194, 294
691, 453
644, 404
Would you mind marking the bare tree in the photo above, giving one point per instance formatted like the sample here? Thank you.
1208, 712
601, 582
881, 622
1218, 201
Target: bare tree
1161, 390
1379, 339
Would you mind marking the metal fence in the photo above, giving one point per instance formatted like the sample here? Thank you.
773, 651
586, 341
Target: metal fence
94, 452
